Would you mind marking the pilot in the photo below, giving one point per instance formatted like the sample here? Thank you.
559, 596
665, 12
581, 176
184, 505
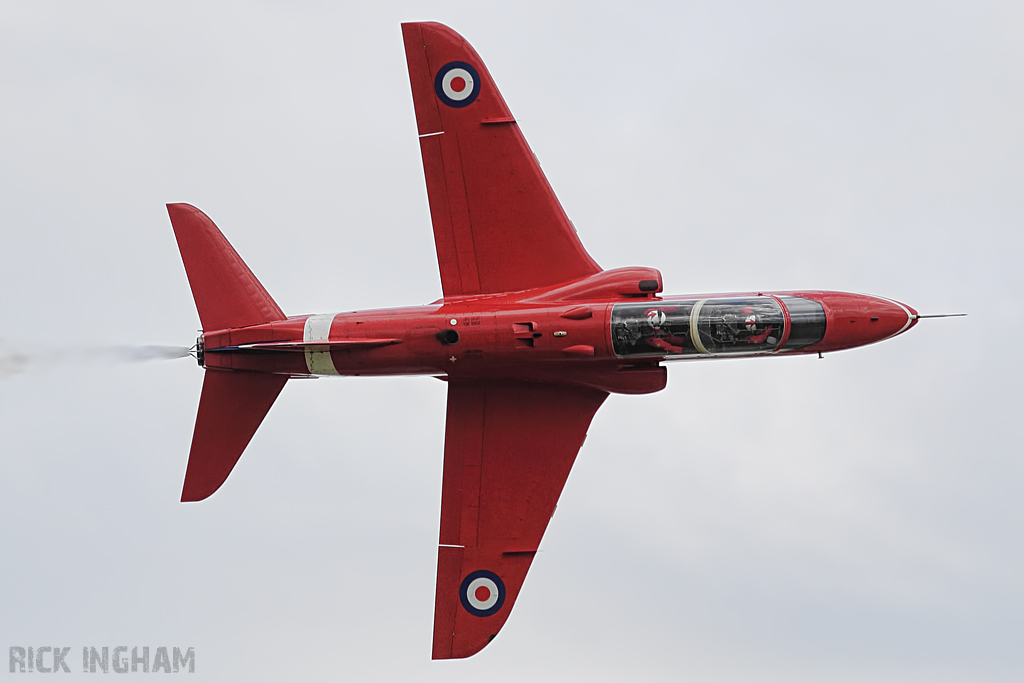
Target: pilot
751, 323
661, 337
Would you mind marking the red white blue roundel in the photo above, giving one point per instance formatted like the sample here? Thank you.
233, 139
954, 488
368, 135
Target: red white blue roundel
457, 84
482, 593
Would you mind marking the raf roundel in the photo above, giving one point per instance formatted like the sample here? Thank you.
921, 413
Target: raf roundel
482, 593
457, 84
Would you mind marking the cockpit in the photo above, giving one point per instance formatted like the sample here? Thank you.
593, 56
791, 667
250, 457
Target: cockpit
716, 327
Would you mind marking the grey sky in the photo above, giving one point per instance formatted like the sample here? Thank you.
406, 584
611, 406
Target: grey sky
852, 518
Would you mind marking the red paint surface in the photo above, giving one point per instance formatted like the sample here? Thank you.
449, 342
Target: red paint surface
533, 361
857, 320
498, 226
231, 408
226, 292
509, 447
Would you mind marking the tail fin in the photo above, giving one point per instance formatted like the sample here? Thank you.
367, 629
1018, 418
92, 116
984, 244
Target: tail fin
232, 406
233, 403
227, 294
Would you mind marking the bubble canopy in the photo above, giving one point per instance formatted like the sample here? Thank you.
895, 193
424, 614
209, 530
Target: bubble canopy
727, 326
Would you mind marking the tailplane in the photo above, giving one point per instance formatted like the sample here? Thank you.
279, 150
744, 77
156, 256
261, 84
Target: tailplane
233, 403
226, 292
231, 409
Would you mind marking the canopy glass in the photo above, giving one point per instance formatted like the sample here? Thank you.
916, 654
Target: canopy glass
715, 327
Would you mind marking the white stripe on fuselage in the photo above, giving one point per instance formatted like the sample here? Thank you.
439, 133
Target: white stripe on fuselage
318, 328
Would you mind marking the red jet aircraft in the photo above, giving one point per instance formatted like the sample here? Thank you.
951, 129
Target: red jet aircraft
531, 336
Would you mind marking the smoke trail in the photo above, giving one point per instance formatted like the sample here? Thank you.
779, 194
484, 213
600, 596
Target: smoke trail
16, 362
12, 364
144, 353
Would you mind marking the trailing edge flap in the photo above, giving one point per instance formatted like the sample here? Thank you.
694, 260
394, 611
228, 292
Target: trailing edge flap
231, 408
498, 226
508, 449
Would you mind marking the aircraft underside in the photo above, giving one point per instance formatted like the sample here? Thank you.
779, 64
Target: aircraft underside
531, 336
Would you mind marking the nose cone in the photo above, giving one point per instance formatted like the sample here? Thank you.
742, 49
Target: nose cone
858, 319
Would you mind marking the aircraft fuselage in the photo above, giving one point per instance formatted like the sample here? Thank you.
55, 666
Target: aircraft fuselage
614, 343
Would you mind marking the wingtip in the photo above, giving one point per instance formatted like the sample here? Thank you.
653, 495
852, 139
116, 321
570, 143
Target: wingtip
195, 487
188, 495
181, 212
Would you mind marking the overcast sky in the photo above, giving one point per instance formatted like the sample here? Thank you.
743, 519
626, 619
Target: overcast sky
847, 519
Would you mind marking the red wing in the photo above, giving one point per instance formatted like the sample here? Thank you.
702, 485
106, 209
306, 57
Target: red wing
498, 226
508, 450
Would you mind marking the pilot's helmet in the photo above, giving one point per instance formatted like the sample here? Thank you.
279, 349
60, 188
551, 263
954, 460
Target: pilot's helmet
656, 317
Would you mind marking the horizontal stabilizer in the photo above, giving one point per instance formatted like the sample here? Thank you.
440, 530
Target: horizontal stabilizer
232, 406
227, 294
